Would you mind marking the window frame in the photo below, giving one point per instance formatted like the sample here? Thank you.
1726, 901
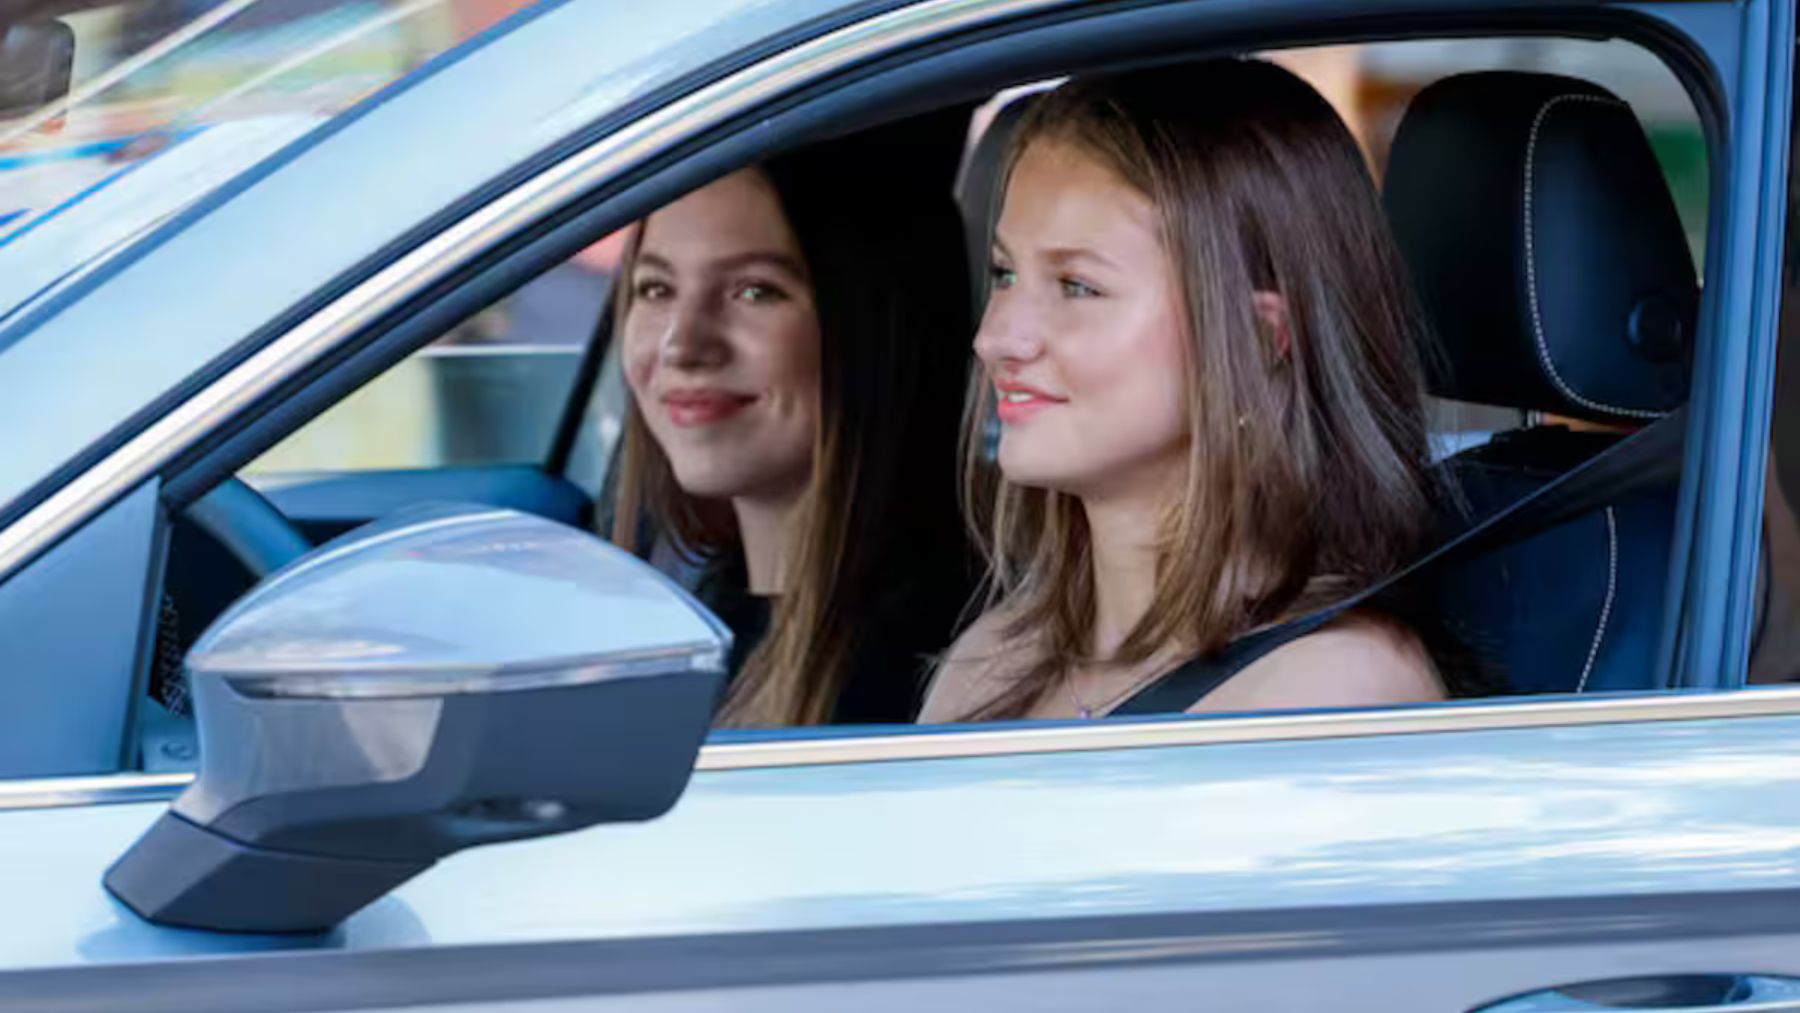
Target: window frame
1780, 445
799, 90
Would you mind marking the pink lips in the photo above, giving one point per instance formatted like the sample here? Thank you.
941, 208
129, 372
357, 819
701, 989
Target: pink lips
1018, 401
703, 406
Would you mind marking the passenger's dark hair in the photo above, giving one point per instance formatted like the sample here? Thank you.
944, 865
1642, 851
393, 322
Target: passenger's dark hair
885, 258
1307, 476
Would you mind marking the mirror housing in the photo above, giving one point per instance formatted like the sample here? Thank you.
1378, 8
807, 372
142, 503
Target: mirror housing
36, 61
444, 678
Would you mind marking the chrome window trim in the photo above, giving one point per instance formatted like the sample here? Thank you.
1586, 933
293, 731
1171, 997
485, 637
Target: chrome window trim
100, 789
1501, 715
606, 158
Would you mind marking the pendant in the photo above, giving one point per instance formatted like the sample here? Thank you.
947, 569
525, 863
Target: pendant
1087, 712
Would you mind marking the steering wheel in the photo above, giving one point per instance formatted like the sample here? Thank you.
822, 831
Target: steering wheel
248, 527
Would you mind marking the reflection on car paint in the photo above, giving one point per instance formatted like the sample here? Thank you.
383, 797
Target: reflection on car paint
1612, 810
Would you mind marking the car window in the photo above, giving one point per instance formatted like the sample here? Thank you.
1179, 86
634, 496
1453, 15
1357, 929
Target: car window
491, 391
1550, 628
1509, 605
1371, 86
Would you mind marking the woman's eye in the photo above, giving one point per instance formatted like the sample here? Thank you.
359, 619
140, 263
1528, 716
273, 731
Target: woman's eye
759, 292
1002, 277
1076, 289
653, 290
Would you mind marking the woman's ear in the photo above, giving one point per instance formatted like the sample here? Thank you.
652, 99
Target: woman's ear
1272, 316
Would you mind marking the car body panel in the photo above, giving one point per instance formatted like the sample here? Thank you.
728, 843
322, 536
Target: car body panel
1457, 957
71, 630
1527, 814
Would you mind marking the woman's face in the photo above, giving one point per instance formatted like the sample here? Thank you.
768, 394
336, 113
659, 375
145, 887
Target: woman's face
1083, 336
722, 342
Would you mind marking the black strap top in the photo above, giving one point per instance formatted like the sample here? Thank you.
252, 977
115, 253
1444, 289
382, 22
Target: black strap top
1188, 683
897, 635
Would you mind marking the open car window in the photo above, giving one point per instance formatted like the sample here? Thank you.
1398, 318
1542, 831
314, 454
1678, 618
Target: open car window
1600, 635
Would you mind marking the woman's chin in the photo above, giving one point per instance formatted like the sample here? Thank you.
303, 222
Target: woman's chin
710, 483
730, 480
1035, 473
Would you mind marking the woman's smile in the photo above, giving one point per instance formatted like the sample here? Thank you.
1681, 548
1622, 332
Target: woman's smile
703, 406
1018, 402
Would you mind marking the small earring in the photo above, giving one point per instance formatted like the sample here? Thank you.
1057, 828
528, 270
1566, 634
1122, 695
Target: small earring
1242, 421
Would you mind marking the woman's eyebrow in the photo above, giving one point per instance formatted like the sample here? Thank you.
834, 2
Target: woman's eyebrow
645, 259
731, 262
764, 258
1059, 255
1063, 255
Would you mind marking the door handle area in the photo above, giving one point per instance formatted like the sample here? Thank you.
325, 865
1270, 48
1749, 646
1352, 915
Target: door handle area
1675, 993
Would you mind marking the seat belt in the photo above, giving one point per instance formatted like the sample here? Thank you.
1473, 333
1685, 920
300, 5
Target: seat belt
1650, 456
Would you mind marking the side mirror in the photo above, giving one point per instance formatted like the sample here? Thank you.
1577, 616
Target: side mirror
36, 60
444, 678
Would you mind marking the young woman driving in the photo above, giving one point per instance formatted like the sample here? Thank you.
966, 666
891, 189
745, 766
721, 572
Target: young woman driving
1203, 353
794, 357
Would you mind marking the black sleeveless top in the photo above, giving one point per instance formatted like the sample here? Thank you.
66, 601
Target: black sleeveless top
1185, 685
1463, 671
896, 643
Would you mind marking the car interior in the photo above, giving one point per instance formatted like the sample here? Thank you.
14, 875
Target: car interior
1530, 207
1485, 164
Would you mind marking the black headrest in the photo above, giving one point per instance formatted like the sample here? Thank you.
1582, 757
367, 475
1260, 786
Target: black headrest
1545, 247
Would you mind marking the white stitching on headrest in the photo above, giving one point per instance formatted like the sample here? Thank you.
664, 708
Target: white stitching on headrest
1537, 322
1612, 584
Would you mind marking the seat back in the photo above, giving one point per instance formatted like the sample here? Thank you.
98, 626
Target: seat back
1552, 266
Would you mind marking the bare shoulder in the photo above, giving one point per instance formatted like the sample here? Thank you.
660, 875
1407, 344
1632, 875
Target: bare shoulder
960, 683
1360, 660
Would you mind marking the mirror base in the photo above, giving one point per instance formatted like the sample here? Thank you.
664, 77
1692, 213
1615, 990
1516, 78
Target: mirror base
179, 874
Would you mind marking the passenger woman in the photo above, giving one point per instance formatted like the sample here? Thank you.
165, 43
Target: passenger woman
795, 340
1203, 356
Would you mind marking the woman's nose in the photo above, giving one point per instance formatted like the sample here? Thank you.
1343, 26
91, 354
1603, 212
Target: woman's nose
694, 339
1005, 336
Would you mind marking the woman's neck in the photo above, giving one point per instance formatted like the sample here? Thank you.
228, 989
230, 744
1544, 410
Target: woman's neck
1123, 535
764, 525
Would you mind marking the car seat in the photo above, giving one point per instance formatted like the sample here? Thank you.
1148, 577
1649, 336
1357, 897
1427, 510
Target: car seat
1552, 266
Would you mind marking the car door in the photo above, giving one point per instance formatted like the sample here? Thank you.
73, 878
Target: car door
1627, 852
1401, 861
